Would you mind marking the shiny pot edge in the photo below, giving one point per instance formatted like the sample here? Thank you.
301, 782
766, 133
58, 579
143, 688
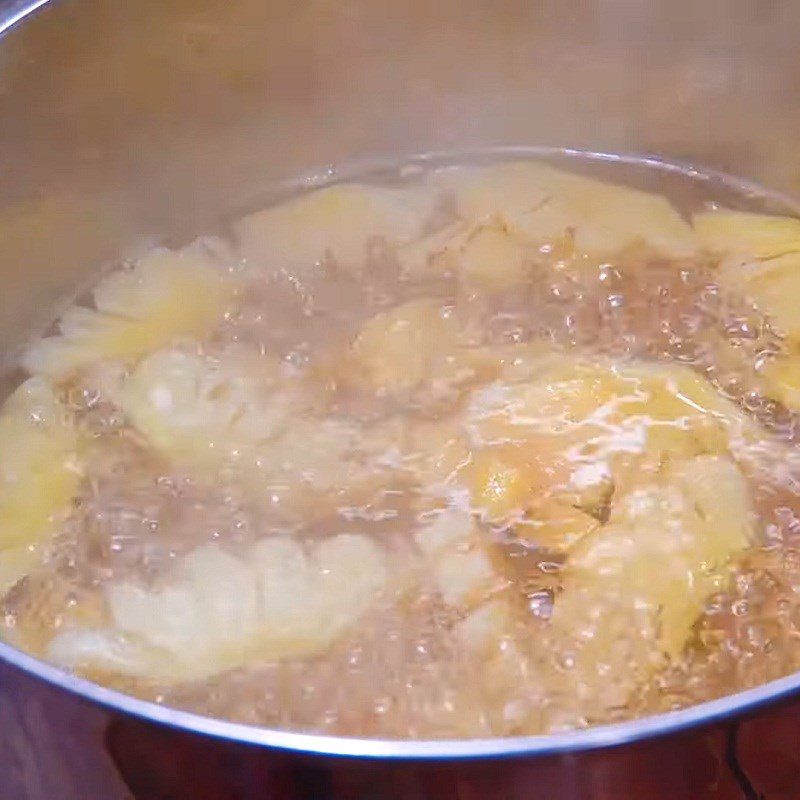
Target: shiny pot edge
17, 11
598, 737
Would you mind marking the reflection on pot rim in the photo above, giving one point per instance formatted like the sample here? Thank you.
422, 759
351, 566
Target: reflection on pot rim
409, 750
17, 11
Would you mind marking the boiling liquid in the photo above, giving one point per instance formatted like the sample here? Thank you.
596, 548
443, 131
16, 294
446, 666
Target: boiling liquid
402, 671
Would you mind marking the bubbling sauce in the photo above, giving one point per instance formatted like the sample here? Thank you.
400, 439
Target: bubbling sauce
457, 449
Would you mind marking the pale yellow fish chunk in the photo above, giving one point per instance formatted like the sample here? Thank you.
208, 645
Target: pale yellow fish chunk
773, 286
761, 262
518, 362
651, 443
428, 349
465, 577
493, 260
400, 349
219, 611
435, 254
485, 257
545, 446
467, 581
526, 484
238, 414
16, 563
725, 232
205, 410
555, 522
446, 530
503, 480
438, 450
39, 474
336, 222
782, 380
665, 549
506, 669
461, 565
482, 629
542, 205
579, 424
167, 295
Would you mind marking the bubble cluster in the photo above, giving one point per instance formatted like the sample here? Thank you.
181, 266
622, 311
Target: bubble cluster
404, 672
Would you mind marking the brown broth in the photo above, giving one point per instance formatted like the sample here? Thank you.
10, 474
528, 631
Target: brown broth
401, 670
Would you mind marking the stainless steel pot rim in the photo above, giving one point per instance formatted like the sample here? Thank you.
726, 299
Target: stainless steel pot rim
575, 741
17, 10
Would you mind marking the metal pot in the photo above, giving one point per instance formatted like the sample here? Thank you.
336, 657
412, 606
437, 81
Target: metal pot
127, 120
